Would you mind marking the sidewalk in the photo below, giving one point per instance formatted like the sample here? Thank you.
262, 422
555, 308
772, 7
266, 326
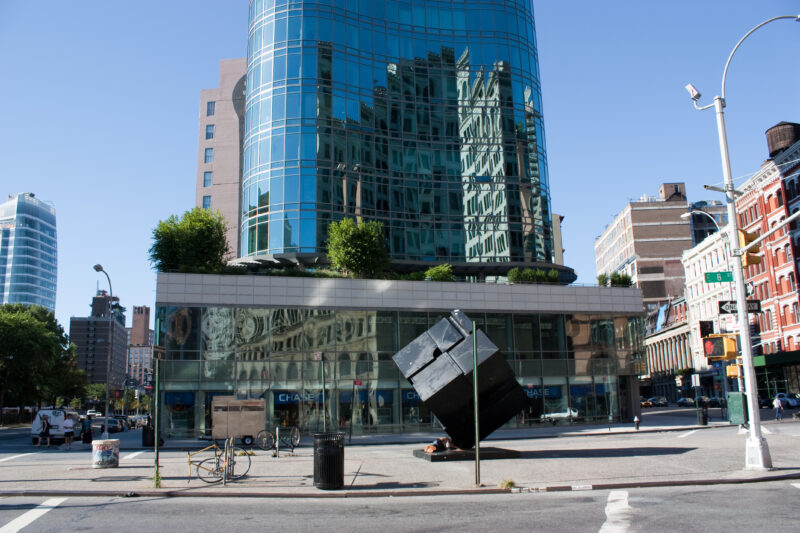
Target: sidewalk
384, 465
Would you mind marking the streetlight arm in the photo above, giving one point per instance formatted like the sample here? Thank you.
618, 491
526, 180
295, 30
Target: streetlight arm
730, 57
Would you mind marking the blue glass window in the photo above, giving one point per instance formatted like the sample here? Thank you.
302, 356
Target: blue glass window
206, 202
210, 108
209, 131
208, 156
207, 178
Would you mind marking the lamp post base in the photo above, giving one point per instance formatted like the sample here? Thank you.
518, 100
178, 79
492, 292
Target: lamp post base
757, 455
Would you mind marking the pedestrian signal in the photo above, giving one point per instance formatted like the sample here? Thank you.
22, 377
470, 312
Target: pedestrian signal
749, 256
719, 347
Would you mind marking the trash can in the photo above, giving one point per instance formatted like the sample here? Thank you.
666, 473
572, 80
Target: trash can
329, 460
148, 436
105, 453
702, 416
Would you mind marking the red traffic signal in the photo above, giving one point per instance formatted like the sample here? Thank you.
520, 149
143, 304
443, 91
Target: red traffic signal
719, 347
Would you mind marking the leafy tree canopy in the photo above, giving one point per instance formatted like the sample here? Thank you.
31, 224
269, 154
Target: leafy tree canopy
440, 273
193, 243
37, 362
357, 249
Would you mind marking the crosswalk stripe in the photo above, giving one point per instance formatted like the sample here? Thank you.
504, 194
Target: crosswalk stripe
4, 459
131, 456
765, 431
618, 513
27, 518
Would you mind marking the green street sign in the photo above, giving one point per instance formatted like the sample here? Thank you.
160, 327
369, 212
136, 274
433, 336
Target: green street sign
718, 277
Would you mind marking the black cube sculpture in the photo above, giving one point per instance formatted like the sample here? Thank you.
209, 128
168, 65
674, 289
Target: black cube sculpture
438, 364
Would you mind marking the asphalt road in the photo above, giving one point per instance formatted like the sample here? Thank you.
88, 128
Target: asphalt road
760, 507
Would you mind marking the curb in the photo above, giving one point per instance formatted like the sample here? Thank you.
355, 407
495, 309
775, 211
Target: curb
349, 494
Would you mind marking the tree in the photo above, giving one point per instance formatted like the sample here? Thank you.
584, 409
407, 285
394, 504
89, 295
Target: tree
620, 280
193, 243
37, 362
357, 249
602, 280
440, 273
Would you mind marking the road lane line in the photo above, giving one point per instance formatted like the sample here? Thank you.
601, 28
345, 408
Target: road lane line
687, 434
131, 456
618, 513
27, 518
796, 485
14, 457
765, 431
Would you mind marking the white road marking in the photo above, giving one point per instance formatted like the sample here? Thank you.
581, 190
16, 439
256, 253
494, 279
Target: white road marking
765, 431
27, 518
131, 456
687, 434
14, 457
618, 513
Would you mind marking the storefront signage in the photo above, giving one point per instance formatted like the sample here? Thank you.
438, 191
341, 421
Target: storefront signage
294, 397
549, 392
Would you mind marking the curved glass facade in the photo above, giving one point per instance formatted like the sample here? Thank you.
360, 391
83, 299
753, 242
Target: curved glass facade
424, 115
28, 251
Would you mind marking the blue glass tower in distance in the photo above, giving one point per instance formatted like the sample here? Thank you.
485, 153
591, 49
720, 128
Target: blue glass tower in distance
28, 251
423, 115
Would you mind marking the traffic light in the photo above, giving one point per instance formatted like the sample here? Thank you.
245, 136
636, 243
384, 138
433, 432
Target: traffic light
719, 347
706, 328
733, 371
749, 257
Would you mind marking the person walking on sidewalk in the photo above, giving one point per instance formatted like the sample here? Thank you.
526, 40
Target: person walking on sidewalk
69, 428
45, 433
776, 403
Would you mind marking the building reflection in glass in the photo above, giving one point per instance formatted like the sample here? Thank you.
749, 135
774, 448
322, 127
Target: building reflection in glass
435, 129
578, 360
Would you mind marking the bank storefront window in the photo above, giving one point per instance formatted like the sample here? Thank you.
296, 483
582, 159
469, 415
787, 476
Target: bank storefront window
284, 355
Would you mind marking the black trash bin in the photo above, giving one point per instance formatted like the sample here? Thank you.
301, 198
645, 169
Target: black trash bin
329, 460
148, 436
702, 416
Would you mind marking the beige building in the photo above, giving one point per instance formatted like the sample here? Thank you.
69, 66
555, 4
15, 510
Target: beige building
645, 241
221, 134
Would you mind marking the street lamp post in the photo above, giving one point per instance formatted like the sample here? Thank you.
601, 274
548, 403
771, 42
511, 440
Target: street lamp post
757, 455
727, 258
99, 268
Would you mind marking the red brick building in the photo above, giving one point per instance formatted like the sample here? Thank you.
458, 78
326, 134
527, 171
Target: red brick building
769, 198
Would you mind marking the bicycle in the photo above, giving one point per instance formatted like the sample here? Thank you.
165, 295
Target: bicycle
288, 437
227, 463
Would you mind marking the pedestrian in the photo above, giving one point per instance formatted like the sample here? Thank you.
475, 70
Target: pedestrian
45, 432
69, 428
86, 430
776, 403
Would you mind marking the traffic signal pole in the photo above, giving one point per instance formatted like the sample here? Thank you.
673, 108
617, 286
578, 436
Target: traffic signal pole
757, 456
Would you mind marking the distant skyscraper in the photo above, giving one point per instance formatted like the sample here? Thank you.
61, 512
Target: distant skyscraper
424, 116
100, 336
140, 347
219, 161
28, 251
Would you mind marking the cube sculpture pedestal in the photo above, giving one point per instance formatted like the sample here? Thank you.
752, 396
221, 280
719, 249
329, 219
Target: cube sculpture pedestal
438, 364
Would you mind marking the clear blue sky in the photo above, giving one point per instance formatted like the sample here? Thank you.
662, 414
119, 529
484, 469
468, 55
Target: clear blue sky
100, 108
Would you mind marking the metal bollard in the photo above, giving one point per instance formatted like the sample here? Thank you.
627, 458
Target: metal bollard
636, 422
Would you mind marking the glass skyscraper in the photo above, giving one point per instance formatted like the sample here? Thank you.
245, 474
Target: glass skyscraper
424, 115
28, 251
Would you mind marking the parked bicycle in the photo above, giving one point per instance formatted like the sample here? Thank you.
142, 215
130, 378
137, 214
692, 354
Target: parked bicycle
288, 437
226, 463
